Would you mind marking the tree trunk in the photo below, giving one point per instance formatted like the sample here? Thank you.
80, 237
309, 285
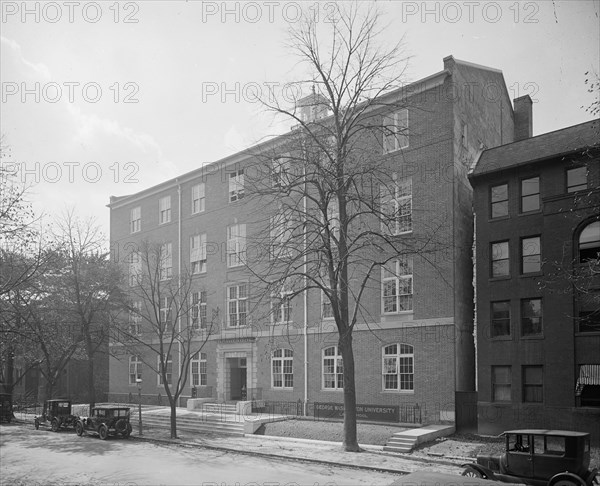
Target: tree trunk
8, 384
90, 379
350, 443
173, 420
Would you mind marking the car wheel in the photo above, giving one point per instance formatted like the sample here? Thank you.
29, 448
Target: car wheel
55, 425
36, 424
567, 480
471, 472
121, 426
103, 432
79, 429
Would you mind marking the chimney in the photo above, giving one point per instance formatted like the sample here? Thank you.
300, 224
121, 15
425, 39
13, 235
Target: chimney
449, 63
523, 118
312, 107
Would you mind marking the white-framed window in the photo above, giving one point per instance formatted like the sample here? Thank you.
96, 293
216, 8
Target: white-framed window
198, 253
281, 171
333, 218
397, 367
198, 369
198, 315
281, 308
282, 368
396, 206
397, 285
135, 268
135, 369
164, 210
136, 219
168, 370
237, 296
326, 307
166, 261
198, 198
135, 319
395, 131
165, 312
333, 369
281, 229
236, 185
236, 245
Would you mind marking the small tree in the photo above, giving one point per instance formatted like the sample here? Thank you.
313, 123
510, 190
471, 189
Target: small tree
164, 318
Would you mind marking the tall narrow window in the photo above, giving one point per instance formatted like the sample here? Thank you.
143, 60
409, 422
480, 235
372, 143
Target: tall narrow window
237, 296
397, 285
135, 369
530, 194
198, 310
135, 268
397, 367
281, 172
500, 259
333, 218
501, 384
198, 253
168, 368
164, 210
589, 243
499, 201
531, 317
136, 219
236, 185
198, 198
198, 369
166, 261
500, 321
236, 245
577, 179
531, 255
326, 307
281, 308
396, 206
282, 368
333, 369
281, 230
395, 131
533, 384
135, 319
165, 313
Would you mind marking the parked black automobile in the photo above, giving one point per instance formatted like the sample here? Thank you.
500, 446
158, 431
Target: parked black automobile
105, 421
58, 415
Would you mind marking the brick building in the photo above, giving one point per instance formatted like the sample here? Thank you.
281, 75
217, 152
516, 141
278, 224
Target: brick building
537, 210
291, 356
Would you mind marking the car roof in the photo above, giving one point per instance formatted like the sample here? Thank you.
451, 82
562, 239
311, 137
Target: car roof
110, 407
563, 433
59, 400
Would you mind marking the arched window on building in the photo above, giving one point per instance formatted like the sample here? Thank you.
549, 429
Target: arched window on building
397, 367
589, 242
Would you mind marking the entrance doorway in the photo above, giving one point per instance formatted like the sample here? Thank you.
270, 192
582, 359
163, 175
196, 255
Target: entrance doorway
237, 378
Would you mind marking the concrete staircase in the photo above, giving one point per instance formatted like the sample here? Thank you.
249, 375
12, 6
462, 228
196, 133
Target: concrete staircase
406, 440
196, 423
219, 408
400, 443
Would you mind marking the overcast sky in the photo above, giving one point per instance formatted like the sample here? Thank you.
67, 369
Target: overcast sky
107, 98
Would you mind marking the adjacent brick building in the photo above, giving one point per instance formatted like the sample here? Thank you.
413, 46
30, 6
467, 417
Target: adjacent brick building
450, 115
537, 209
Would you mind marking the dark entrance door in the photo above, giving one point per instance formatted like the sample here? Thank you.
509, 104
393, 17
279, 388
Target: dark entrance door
238, 379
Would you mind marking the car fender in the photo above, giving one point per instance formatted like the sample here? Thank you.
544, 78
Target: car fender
589, 477
485, 472
567, 475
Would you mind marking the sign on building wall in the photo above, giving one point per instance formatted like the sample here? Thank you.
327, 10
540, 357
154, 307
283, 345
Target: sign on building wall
378, 413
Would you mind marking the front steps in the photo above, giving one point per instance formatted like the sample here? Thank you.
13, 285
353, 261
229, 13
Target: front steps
398, 443
219, 408
405, 441
195, 423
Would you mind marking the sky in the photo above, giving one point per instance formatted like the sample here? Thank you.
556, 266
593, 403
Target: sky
110, 98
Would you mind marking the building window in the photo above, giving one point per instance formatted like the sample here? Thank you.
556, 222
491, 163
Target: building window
588, 311
531, 317
135, 319
199, 310
236, 245
500, 319
500, 259
499, 201
168, 370
135, 268
237, 296
135, 369
165, 312
280, 172
326, 306
164, 210
397, 367
281, 230
282, 367
198, 369
533, 384
397, 285
396, 207
577, 179
236, 185
395, 131
198, 253
589, 243
198, 198
501, 383
587, 389
530, 194
333, 369
281, 308
136, 219
531, 258
166, 261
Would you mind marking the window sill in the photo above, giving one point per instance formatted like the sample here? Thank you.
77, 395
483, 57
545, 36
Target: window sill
398, 392
398, 313
531, 213
587, 333
499, 218
280, 388
533, 337
499, 279
501, 338
336, 390
532, 274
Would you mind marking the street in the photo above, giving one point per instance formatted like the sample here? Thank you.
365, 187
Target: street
41, 457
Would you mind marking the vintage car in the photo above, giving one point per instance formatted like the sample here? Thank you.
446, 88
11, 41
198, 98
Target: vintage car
57, 414
6, 410
105, 421
539, 458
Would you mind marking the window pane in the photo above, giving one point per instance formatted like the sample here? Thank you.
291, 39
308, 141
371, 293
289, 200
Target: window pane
499, 200
530, 250
530, 194
500, 259
576, 179
500, 319
531, 316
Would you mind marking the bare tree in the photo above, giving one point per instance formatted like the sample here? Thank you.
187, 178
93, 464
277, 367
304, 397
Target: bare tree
337, 214
166, 317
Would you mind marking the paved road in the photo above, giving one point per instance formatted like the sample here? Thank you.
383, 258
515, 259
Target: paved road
31, 457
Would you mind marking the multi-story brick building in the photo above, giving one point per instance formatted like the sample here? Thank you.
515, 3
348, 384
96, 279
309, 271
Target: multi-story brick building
537, 210
425, 331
